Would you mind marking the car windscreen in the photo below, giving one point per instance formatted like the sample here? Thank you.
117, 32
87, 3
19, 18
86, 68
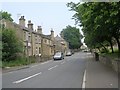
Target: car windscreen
58, 54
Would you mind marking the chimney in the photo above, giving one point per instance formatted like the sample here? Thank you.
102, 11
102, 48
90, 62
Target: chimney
30, 25
22, 21
52, 34
39, 29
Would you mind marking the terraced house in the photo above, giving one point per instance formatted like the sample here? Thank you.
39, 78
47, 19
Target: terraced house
35, 42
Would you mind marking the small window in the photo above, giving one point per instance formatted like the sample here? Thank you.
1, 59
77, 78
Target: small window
36, 50
29, 38
45, 41
39, 50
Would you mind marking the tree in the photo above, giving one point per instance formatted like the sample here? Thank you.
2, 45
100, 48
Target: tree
72, 36
5, 15
100, 21
11, 45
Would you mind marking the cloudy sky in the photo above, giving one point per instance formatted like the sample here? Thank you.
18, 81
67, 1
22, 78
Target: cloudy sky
49, 15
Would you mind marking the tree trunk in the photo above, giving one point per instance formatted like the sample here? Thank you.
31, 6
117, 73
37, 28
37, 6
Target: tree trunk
111, 45
118, 42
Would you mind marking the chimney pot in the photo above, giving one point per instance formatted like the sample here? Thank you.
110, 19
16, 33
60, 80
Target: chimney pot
39, 29
29, 22
22, 21
30, 25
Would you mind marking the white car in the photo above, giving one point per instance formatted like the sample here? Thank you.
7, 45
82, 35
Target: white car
68, 53
58, 56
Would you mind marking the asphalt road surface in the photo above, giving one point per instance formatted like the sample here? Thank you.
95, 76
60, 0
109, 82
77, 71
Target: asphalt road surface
67, 73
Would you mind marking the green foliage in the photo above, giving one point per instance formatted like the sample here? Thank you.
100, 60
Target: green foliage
5, 15
100, 22
11, 45
72, 36
18, 62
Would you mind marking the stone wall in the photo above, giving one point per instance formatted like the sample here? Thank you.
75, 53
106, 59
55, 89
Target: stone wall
38, 59
110, 62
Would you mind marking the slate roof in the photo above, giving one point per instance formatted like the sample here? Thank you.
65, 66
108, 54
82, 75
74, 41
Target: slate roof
30, 30
59, 38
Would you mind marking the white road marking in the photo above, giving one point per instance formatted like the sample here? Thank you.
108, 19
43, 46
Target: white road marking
84, 81
19, 81
111, 84
62, 62
53, 67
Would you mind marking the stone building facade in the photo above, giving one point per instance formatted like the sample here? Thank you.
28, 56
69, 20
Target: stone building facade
60, 45
35, 43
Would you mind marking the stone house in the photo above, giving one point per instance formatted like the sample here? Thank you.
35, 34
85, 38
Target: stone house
60, 45
35, 43
47, 46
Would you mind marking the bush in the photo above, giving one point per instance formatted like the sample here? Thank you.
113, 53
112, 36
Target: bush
104, 51
11, 45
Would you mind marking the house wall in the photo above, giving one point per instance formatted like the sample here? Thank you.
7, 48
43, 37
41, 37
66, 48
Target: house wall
34, 43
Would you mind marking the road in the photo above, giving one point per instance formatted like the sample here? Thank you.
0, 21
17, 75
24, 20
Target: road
67, 73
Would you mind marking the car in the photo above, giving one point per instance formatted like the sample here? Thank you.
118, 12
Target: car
58, 56
68, 53
85, 50
72, 52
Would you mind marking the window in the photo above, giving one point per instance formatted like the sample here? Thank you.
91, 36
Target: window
36, 38
29, 39
29, 34
4, 25
39, 40
45, 41
36, 50
26, 36
39, 50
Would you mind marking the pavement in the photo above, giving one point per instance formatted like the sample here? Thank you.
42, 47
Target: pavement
77, 71
99, 76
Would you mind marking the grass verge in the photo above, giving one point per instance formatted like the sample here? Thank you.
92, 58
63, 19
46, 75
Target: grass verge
18, 62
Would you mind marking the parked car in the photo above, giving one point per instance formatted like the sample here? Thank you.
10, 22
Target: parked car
72, 52
58, 56
68, 53
85, 50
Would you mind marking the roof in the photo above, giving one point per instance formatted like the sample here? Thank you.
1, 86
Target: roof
59, 38
29, 30
46, 36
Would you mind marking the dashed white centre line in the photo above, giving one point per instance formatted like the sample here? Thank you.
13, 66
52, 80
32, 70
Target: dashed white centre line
19, 81
53, 67
84, 81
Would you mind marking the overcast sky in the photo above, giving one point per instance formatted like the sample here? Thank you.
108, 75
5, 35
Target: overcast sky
49, 15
